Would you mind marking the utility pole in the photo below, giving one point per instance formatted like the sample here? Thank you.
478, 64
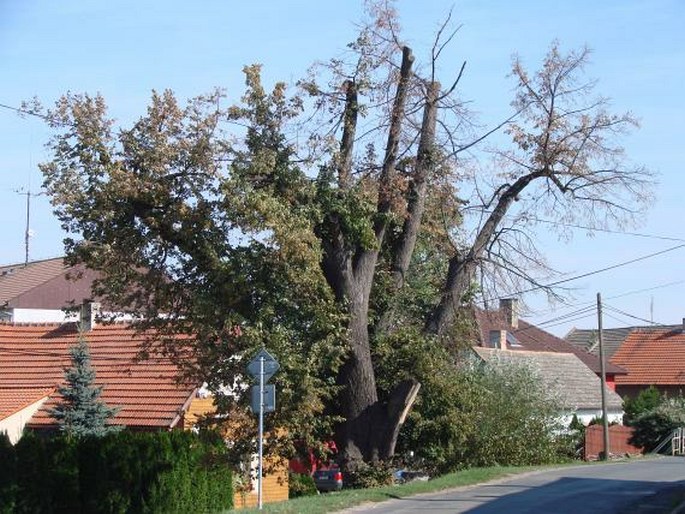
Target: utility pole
605, 417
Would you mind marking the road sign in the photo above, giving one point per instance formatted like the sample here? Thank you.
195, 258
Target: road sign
263, 399
269, 395
271, 365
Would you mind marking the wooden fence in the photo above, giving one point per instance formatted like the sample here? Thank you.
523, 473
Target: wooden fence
619, 442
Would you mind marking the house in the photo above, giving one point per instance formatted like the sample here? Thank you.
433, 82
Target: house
652, 356
504, 329
612, 338
567, 377
32, 362
148, 392
38, 291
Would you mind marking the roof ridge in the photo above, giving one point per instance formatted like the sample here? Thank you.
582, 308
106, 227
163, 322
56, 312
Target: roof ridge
38, 261
63, 323
34, 323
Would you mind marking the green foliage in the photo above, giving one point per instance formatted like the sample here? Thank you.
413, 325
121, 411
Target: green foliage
8, 471
570, 442
301, 484
365, 476
124, 472
182, 219
647, 400
653, 426
483, 414
47, 475
80, 412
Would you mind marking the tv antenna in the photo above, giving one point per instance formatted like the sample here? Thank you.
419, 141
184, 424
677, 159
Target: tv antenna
27, 233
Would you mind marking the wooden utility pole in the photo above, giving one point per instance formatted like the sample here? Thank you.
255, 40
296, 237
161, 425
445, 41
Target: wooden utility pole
605, 417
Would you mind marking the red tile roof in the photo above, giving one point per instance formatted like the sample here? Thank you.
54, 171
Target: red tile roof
535, 339
147, 392
654, 356
14, 399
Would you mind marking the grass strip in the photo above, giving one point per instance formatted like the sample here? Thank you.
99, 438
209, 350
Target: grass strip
331, 502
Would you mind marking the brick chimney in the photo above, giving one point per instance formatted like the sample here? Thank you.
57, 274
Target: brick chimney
89, 311
498, 339
509, 307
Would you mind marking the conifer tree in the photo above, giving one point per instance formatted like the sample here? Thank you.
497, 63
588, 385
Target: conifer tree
81, 411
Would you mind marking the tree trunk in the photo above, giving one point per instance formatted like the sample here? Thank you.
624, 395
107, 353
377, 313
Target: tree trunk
462, 270
367, 433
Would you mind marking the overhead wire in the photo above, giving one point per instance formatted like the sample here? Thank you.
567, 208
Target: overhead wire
597, 271
607, 230
620, 295
623, 313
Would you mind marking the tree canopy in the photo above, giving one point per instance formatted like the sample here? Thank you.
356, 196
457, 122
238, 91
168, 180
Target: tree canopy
334, 223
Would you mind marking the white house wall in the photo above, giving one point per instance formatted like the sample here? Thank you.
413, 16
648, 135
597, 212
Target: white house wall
19, 315
587, 415
14, 425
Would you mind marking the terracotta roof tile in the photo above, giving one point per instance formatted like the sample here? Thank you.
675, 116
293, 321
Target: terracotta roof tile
653, 356
612, 338
147, 391
13, 399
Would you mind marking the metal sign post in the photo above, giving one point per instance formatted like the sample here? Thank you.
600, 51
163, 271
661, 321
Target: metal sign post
261, 430
263, 366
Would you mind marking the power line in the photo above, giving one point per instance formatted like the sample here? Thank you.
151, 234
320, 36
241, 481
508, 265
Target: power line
568, 320
601, 270
620, 295
623, 313
606, 230
564, 317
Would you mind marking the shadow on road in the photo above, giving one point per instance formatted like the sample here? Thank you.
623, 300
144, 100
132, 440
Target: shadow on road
566, 495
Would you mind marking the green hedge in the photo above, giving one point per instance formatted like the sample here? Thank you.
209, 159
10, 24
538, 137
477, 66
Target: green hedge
125, 472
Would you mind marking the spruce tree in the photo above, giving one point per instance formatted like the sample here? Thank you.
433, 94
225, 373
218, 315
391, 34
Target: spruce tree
81, 411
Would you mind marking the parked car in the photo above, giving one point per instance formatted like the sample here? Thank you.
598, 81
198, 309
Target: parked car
330, 479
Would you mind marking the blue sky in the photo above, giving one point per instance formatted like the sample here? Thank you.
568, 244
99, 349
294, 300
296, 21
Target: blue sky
124, 49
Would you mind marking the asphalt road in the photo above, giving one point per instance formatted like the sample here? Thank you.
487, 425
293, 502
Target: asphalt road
620, 487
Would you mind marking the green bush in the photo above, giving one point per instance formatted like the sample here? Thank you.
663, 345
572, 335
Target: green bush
126, 472
366, 476
482, 414
652, 427
648, 400
8, 472
301, 484
47, 475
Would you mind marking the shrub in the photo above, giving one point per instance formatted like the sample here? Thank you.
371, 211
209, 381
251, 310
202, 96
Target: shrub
653, 426
47, 475
126, 472
8, 475
301, 484
483, 414
366, 476
648, 400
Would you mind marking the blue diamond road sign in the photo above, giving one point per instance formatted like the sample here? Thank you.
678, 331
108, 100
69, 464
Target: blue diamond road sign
271, 365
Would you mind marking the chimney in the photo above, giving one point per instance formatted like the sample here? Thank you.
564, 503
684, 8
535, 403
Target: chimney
89, 311
498, 339
510, 307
